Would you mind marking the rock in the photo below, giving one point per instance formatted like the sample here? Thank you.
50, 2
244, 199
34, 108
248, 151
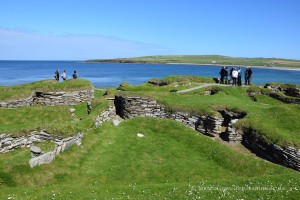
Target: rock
140, 135
116, 122
42, 159
72, 110
35, 151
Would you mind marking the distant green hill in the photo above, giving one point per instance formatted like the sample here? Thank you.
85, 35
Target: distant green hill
207, 59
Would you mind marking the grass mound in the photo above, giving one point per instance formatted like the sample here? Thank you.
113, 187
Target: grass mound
24, 90
283, 119
114, 163
54, 119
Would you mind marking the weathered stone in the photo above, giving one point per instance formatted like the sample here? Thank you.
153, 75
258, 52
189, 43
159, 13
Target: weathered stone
42, 159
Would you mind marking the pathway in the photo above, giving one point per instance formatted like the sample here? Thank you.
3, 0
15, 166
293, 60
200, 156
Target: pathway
201, 86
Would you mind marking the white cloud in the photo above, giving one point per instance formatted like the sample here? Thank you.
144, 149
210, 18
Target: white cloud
25, 45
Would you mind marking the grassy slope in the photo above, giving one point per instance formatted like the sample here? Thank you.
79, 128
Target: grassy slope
54, 119
24, 90
283, 119
207, 59
171, 161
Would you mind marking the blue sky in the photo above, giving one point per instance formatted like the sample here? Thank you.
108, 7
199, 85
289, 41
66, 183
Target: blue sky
87, 29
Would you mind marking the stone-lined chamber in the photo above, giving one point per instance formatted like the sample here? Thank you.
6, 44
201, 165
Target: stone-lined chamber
130, 107
9, 143
50, 99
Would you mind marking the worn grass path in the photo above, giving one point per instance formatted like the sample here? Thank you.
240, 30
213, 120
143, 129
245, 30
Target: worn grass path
204, 85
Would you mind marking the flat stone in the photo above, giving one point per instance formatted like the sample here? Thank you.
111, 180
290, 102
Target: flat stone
116, 122
35, 149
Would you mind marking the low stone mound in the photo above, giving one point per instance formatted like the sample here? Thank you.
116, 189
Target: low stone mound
158, 82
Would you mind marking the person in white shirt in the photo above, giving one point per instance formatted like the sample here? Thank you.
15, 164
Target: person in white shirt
64, 75
234, 76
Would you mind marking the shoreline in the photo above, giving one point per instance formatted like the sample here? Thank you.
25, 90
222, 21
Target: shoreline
215, 65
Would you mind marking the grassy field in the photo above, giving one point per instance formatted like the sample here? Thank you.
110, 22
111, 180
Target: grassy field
208, 59
54, 119
25, 90
172, 161
282, 128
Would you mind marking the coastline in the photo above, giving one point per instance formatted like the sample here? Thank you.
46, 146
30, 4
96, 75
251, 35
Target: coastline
216, 65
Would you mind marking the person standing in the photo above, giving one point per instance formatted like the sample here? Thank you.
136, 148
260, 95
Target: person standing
234, 76
64, 75
249, 76
75, 75
231, 79
239, 82
226, 75
56, 75
222, 73
246, 76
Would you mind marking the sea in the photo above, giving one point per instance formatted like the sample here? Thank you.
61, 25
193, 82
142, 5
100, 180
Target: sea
106, 75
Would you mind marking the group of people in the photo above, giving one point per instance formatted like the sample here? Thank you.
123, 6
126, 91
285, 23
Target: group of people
234, 76
64, 75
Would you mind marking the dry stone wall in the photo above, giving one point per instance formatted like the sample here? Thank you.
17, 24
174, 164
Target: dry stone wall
51, 99
9, 143
130, 107
288, 156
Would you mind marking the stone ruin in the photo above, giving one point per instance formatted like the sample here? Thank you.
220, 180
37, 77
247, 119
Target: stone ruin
10, 143
223, 126
50, 99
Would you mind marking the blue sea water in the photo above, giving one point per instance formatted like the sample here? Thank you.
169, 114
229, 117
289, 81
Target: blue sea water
111, 75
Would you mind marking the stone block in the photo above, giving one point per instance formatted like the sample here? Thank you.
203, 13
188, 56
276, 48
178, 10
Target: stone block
42, 159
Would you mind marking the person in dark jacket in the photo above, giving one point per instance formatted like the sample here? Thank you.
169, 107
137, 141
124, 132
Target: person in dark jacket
239, 76
226, 75
75, 75
230, 73
56, 75
249, 76
222, 73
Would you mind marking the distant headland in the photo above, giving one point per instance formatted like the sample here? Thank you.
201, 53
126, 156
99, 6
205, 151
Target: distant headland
208, 60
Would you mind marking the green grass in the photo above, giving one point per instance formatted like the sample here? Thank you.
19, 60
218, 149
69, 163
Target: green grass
283, 119
54, 119
171, 161
25, 90
207, 59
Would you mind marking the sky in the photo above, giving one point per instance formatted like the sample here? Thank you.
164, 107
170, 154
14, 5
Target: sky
100, 29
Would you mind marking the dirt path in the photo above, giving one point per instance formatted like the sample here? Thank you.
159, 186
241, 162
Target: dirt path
201, 86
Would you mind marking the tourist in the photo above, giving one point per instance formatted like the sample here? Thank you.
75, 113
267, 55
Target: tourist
248, 76
239, 82
226, 75
75, 75
64, 75
234, 76
222, 73
56, 75
230, 73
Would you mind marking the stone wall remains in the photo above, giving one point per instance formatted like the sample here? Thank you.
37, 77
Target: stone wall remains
130, 107
9, 143
51, 99
288, 156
